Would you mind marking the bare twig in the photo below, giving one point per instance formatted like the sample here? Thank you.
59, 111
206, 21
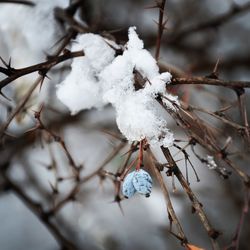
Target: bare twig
161, 27
172, 216
213, 23
29, 3
210, 81
213, 234
41, 67
37, 209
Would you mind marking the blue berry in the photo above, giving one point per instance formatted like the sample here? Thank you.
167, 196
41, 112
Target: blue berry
128, 188
142, 182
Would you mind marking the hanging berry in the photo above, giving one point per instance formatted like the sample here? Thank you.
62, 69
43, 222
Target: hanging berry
137, 181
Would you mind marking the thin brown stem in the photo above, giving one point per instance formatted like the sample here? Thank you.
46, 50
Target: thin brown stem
161, 27
172, 216
197, 206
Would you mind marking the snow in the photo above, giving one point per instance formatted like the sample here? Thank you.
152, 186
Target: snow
211, 164
141, 58
99, 78
117, 80
27, 35
138, 117
81, 89
29, 32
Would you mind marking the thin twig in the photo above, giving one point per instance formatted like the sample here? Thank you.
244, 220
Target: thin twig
213, 234
172, 216
161, 27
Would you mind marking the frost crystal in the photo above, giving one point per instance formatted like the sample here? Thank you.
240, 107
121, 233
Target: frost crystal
137, 181
100, 78
211, 164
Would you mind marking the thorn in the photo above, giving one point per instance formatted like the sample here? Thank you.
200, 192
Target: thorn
9, 63
215, 71
164, 24
118, 200
4, 63
44, 75
54, 189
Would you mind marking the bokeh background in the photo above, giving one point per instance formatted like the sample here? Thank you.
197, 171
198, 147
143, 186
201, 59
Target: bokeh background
35, 162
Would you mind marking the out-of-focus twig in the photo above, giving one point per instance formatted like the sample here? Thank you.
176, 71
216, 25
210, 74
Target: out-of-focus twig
161, 27
213, 23
29, 3
210, 81
40, 79
38, 210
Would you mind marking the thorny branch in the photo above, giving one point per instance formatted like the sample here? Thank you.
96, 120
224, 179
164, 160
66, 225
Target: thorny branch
161, 27
42, 68
198, 130
38, 210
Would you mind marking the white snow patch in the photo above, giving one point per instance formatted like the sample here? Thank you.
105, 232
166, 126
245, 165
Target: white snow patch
99, 78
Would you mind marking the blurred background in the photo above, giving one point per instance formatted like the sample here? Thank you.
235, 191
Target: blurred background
35, 173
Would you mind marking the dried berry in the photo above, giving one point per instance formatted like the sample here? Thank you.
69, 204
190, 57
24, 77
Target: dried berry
128, 188
142, 182
137, 181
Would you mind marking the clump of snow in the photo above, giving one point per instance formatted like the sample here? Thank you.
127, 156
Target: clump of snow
30, 31
81, 88
211, 164
100, 78
117, 80
138, 117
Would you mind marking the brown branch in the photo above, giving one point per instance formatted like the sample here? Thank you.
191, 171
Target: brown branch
198, 130
21, 105
245, 209
58, 139
71, 195
161, 27
197, 206
172, 216
210, 81
41, 67
39, 212
243, 111
218, 116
